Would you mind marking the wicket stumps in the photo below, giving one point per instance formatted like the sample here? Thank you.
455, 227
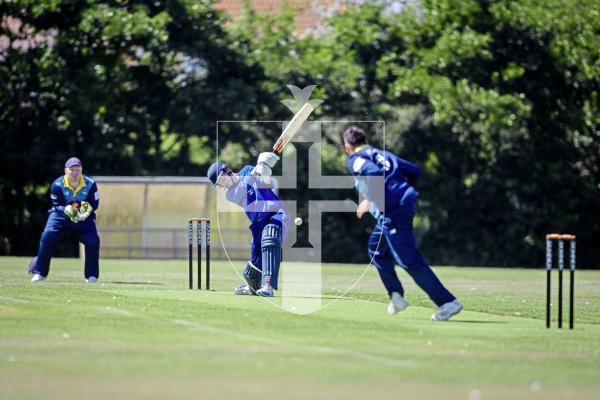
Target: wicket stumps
561, 263
199, 222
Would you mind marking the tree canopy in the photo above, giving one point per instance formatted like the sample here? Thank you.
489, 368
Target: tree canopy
496, 99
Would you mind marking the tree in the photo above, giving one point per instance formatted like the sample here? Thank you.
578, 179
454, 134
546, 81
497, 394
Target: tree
498, 100
132, 88
512, 85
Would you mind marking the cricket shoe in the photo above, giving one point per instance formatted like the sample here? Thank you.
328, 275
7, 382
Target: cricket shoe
446, 311
37, 278
243, 290
397, 304
91, 279
265, 291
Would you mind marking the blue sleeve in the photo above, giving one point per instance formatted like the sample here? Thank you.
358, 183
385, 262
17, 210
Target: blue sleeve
93, 197
368, 177
246, 170
409, 169
58, 199
246, 177
363, 166
237, 194
246, 174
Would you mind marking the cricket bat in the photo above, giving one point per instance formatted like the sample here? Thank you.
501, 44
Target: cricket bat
293, 127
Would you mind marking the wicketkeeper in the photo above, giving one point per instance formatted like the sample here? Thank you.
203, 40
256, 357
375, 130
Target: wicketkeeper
251, 189
75, 199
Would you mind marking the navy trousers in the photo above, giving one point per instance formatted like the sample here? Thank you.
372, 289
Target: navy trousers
86, 233
393, 242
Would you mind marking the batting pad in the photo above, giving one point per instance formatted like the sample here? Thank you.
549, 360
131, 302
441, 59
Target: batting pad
253, 276
271, 252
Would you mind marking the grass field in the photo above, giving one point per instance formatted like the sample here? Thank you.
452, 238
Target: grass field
140, 334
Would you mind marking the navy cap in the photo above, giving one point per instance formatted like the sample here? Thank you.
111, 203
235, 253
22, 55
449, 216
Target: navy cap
215, 170
73, 161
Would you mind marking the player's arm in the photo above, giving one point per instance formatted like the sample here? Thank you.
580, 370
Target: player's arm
238, 193
367, 175
58, 199
410, 170
59, 203
265, 162
368, 181
249, 176
90, 204
93, 197
363, 208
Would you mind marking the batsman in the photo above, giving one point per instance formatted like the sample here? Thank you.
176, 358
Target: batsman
251, 188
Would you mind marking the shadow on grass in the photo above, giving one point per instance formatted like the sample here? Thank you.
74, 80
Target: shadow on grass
320, 297
470, 321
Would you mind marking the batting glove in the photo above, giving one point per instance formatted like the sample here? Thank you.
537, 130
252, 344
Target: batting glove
263, 170
71, 212
268, 159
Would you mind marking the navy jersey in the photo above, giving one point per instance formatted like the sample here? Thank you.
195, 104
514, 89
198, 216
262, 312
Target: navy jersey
62, 194
256, 197
383, 177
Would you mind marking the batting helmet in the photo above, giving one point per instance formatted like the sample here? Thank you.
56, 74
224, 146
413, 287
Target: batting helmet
216, 169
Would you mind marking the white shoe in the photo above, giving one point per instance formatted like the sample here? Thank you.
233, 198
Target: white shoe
446, 311
243, 290
37, 278
91, 279
265, 291
397, 304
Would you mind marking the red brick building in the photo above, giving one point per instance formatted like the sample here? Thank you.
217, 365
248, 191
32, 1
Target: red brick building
311, 13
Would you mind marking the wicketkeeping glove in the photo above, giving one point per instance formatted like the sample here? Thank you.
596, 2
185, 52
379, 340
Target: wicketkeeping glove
84, 211
72, 213
268, 159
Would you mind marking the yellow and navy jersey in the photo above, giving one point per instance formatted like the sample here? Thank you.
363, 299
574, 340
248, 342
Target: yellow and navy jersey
62, 194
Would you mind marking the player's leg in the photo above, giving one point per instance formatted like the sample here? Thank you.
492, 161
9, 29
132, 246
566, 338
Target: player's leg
91, 242
402, 242
253, 276
32, 265
52, 232
271, 258
252, 272
383, 260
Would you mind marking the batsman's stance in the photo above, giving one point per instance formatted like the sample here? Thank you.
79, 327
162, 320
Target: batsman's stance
387, 183
251, 189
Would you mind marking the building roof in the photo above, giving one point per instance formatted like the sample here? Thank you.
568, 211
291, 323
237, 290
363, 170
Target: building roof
21, 36
310, 17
